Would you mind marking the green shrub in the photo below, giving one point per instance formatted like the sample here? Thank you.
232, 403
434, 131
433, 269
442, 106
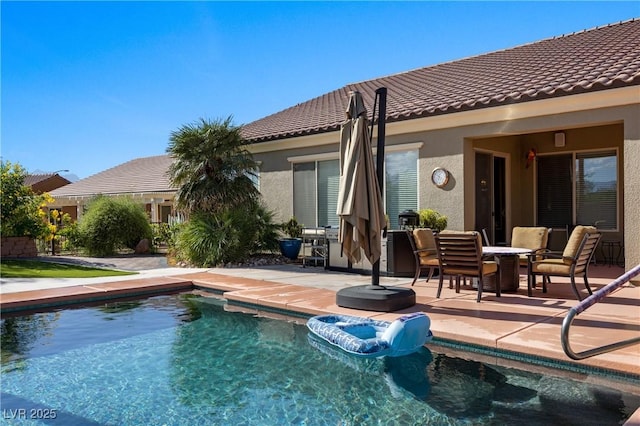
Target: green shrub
161, 233
72, 239
200, 241
231, 236
432, 219
292, 228
265, 230
111, 224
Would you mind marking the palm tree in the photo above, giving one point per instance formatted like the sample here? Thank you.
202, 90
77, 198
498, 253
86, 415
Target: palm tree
212, 168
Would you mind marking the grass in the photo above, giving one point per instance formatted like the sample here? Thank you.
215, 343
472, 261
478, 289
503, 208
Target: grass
14, 268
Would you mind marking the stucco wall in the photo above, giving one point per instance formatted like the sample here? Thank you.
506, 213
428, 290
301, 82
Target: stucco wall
632, 189
443, 148
277, 192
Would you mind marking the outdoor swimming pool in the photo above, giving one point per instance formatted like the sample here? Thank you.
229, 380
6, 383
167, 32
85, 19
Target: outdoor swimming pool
184, 360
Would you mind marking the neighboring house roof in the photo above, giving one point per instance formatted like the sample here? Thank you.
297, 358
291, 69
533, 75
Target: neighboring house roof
597, 59
45, 182
139, 176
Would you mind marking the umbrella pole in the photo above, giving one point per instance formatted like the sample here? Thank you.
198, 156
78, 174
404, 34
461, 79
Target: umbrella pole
381, 93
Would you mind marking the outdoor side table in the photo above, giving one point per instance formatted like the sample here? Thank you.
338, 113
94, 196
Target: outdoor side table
609, 247
509, 265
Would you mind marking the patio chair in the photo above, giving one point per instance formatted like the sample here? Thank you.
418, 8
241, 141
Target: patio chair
423, 245
530, 237
574, 260
460, 255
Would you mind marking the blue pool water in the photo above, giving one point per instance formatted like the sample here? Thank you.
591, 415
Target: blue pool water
183, 360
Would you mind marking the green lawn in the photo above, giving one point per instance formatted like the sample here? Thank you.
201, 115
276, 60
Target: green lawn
16, 268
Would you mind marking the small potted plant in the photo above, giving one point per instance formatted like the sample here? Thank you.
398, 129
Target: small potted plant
290, 245
432, 219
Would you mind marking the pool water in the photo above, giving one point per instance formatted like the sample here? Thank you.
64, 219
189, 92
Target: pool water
184, 360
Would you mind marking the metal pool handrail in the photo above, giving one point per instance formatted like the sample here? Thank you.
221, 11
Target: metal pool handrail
584, 305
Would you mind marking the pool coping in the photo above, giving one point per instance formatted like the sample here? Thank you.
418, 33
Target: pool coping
33, 300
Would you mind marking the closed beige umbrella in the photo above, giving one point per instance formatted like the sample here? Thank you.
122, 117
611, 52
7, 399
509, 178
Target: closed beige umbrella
359, 200
360, 208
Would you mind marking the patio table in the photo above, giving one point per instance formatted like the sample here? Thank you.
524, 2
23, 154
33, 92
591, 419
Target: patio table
509, 265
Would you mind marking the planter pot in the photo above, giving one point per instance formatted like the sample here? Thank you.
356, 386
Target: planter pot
290, 247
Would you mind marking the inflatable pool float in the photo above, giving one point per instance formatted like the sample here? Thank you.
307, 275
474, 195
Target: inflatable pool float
367, 337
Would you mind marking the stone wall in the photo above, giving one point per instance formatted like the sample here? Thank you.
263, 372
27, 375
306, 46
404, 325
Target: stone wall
18, 247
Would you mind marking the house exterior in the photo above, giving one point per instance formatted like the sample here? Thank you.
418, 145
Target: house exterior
546, 133
142, 179
543, 134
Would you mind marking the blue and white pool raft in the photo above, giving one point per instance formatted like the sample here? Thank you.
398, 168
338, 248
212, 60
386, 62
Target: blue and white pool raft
367, 337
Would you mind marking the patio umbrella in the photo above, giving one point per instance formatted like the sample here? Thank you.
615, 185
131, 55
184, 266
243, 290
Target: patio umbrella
360, 206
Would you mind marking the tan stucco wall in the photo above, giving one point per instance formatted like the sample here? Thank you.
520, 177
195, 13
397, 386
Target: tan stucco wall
277, 192
632, 189
443, 148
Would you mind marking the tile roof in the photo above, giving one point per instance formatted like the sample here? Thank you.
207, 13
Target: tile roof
45, 182
141, 175
31, 180
601, 58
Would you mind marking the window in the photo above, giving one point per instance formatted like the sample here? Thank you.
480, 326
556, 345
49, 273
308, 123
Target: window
304, 193
555, 206
580, 188
255, 178
597, 190
401, 184
316, 186
328, 188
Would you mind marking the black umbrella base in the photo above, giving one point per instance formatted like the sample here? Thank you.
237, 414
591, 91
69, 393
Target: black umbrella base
376, 298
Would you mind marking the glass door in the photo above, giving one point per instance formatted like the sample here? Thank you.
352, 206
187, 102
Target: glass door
490, 196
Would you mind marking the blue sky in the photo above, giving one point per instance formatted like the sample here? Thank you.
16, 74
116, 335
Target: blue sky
90, 85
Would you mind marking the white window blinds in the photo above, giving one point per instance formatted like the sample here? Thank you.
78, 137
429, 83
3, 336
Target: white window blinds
304, 193
328, 187
401, 184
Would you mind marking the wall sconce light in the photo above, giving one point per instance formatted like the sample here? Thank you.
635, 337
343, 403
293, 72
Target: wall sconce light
559, 139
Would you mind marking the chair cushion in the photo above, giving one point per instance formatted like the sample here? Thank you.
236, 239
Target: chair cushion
531, 237
571, 249
424, 239
429, 260
551, 267
488, 268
